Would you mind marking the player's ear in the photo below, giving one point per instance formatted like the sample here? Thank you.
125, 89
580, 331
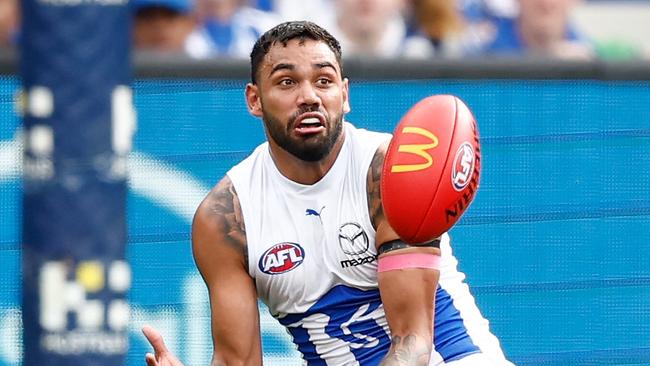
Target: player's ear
253, 100
346, 95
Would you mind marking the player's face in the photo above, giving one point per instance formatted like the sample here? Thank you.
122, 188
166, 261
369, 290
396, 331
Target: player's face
302, 97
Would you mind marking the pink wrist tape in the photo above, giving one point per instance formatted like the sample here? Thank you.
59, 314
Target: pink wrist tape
408, 260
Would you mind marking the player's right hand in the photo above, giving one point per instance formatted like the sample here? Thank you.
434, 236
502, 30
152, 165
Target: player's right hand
162, 356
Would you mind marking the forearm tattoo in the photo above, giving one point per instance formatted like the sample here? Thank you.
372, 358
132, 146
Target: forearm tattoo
409, 350
374, 186
225, 205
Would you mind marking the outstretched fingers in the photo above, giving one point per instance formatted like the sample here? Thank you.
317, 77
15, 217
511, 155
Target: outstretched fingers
161, 356
155, 339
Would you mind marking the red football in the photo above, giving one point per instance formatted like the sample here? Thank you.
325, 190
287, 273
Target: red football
431, 171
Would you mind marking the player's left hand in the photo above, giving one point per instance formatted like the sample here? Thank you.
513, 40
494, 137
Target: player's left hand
162, 356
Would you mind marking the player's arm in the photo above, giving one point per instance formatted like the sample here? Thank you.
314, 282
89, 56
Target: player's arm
219, 248
408, 294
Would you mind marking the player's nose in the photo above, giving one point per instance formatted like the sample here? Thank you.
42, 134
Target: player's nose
308, 95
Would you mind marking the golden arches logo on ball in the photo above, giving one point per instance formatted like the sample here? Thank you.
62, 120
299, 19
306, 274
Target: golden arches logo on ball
416, 149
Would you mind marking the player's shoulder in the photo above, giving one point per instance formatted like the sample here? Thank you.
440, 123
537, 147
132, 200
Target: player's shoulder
221, 200
218, 233
219, 214
242, 172
380, 152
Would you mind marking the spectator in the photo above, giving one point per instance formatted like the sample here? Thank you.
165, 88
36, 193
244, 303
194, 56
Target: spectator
375, 28
481, 16
542, 28
443, 24
166, 26
230, 27
9, 22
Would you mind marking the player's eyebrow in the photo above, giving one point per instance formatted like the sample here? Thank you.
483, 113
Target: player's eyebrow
324, 64
282, 66
290, 67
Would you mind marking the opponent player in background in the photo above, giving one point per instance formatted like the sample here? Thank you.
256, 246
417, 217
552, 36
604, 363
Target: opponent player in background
299, 224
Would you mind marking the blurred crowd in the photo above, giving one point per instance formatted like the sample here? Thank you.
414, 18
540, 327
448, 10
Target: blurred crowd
413, 29
366, 28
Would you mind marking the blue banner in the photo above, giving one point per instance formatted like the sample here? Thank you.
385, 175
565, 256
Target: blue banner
78, 122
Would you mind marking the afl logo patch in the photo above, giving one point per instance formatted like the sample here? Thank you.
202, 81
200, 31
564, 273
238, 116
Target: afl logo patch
281, 258
461, 173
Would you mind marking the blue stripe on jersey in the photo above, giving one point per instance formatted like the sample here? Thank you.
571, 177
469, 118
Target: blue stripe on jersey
349, 317
306, 348
450, 338
348, 320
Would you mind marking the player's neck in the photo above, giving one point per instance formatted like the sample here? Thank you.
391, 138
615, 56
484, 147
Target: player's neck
301, 171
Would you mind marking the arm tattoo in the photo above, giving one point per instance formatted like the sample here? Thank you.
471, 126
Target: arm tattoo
373, 186
225, 204
407, 351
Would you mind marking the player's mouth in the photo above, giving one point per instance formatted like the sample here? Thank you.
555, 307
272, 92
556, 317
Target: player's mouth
309, 123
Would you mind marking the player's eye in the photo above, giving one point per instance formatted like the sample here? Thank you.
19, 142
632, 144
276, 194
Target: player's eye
323, 81
285, 82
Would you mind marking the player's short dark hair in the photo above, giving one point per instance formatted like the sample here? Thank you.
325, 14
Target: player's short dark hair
287, 31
